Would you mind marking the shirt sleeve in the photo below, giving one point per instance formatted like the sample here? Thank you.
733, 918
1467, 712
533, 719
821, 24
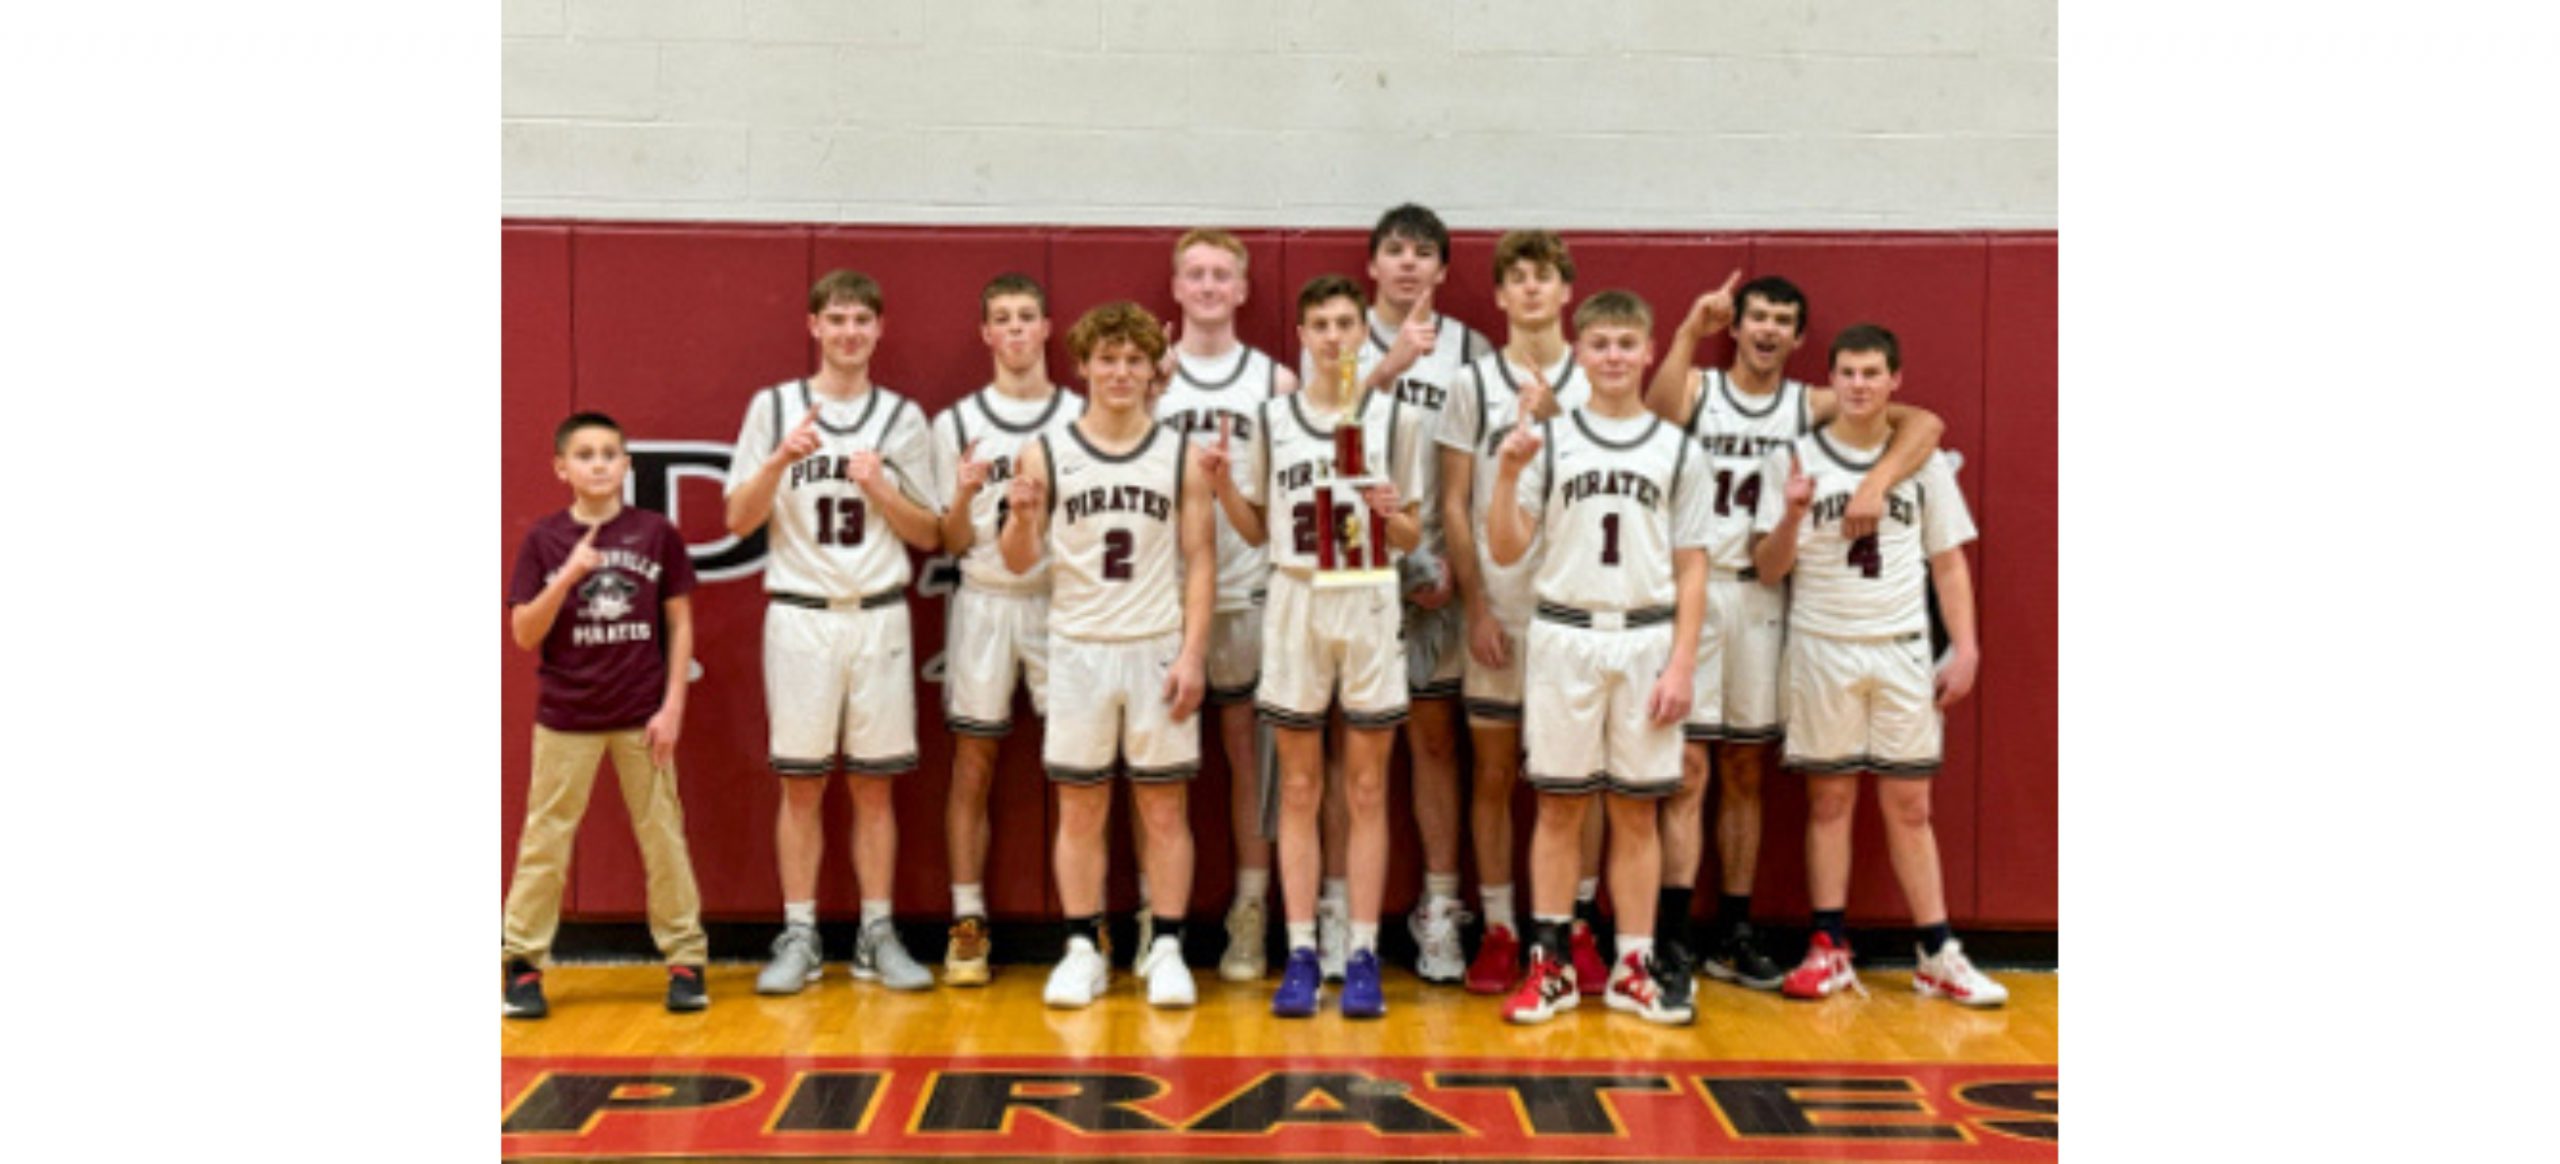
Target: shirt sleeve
755, 443
675, 579
909, 451
1256, 453
1533, 476
1773, 491
1692, 510
1405, 464
533, 570
1461, 424
946, 456
1945, 521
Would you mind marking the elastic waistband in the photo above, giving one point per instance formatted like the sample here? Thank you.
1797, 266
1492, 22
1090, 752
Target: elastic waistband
1745, 574
1606, 619
866, 602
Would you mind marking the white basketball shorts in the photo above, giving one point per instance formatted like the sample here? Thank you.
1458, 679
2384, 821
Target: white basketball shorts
991, 640
1862, 705
1320, 643
1107, 703
839, 682
1586, 725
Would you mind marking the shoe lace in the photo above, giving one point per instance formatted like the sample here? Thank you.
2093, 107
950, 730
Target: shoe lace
1841, 959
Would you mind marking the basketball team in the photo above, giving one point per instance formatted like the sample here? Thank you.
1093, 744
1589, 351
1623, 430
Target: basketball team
1716, 562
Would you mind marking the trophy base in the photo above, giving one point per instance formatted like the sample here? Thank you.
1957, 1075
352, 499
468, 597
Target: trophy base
1345, 579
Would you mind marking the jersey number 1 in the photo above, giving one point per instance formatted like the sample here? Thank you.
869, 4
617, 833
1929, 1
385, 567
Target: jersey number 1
1609, 539
1747, 495
840, 521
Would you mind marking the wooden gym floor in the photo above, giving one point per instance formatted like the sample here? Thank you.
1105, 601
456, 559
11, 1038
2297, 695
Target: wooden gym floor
850, 1070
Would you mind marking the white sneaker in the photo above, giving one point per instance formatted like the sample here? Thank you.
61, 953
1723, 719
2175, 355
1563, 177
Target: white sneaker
1244, 960
1441, 958
1168, 980
1080, 978
1951, 975
1333, 938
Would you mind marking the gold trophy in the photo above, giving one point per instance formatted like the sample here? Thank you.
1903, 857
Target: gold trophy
1351, 543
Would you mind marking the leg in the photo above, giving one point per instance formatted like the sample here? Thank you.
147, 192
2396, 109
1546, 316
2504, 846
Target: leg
799, 837
1683, 830
1366, 751
1913, 842
657, 824
1738, 814
1555, 853
1433, 732
1831, 803
1244, 804
1635, 863
1163, 812
1301, 794
1084, 812
564, 772
875, 837
964, 817
1489, 807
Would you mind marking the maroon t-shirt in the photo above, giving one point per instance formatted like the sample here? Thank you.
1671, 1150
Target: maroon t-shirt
604, 664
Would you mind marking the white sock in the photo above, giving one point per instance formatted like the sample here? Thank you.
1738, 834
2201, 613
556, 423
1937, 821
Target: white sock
1337, 891
1439, 887
1586, 891
1364, 936
1641, 947
1254, 884
968, 900
1497, 907
1302, 935
875, 911
800, 914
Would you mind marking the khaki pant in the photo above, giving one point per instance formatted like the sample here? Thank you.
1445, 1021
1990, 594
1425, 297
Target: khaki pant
564, 771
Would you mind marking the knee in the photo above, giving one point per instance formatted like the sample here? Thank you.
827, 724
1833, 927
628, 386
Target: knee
1831, 805
1907, 808
1433, 746
1366, 791
1166, 812
871, 794
1301, 791
1562, 814
1083, 810
1742, 782
803, 795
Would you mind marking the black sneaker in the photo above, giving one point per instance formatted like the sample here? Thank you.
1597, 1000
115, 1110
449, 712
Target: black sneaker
523, 997
1674, 973
684, 989
1737, 960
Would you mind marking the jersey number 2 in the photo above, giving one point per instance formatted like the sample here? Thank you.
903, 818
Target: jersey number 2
840, 521
1118, 545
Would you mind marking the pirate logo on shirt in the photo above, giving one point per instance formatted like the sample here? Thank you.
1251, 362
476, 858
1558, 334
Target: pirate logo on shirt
606, 596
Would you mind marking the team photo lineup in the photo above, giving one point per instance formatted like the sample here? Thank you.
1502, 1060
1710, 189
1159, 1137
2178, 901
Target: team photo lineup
1628, 581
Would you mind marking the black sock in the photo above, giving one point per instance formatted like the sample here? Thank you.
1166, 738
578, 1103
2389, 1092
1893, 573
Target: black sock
1587, 912
1088, 927
1671, 913
1733, 911
1169, 927
1934, 938
1834, 922
1550, 937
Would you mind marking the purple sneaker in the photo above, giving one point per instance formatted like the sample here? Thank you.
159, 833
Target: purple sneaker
1361, 995
1301, 985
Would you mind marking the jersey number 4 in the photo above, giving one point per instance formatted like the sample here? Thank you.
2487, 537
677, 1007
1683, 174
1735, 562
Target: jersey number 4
1728, 495
840, 521
1869, 560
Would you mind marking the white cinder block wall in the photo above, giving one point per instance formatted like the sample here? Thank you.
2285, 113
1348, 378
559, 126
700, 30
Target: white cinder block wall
1640, 114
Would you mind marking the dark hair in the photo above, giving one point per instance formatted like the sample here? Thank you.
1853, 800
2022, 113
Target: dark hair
1414, 222
841, 285
1868, 337
1116, 321
578, 420
1614, 308
1323, 288
1012, 283
1537, 246
1776, 292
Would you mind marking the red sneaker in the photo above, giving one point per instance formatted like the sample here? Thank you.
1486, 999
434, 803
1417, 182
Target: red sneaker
1823, 972
1497, 963
1589, 967
1547, 989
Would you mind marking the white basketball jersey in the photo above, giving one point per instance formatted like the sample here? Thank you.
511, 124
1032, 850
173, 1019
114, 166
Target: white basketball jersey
1203, 392
1877, 586
1424, 390
1480, 414
1738, 431
825, 539
1115, 536
1614, 496
1295, 451
1001, 426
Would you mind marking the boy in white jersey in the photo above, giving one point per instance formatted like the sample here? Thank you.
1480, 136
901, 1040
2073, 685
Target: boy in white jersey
1421, 356
1858, 675
998, 619
1534, 372
1215, 388
1121, 507
1621, 499
843, 471
1328, 645
1739, 414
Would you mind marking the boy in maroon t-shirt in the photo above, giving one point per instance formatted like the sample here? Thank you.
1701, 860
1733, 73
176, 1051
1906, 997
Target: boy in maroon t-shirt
600, 590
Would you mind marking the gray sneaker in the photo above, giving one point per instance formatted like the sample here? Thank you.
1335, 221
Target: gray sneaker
879, 957
795, 964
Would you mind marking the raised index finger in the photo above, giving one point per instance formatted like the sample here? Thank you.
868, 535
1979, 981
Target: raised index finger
1422, 307
1226, 430
1729, 281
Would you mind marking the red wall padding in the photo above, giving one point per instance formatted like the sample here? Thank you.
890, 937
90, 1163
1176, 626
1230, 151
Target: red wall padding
670, 328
